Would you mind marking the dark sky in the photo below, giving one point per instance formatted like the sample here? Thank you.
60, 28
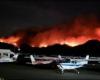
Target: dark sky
23, 14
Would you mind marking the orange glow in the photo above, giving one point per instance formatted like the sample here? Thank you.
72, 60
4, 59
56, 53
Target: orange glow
98, 32
77, 32
11, 40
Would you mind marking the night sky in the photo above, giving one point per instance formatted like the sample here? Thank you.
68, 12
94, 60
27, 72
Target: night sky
16, 15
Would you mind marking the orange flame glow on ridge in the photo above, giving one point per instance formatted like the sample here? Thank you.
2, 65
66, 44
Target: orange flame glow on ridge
76, 33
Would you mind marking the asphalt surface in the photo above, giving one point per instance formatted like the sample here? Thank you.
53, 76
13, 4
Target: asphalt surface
12, 71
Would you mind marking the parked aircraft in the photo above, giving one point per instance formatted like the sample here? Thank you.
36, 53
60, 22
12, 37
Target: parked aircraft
67, 64
7, 55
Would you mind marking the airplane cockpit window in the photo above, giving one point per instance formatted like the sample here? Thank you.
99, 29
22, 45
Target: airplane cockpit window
73, 61
5, 54
66, 60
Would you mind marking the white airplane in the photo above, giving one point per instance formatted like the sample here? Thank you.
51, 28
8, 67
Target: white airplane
7, 55
8, 59
67, 64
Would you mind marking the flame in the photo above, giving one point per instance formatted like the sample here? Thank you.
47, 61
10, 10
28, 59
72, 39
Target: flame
77, 32
11, 40
14, 39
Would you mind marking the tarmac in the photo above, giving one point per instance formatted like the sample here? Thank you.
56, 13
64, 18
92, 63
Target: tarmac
12, 71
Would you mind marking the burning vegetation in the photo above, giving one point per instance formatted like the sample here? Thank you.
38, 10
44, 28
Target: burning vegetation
75, 33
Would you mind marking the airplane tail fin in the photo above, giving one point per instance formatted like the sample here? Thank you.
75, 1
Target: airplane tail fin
87, 57
59, 57
32, 58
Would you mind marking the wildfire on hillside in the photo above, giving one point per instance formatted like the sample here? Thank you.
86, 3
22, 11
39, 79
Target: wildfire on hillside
78, 32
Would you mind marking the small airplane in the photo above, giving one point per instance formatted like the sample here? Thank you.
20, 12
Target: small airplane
8, 58
43, 59
67, 64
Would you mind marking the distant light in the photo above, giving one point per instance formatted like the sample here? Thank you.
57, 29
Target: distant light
93, 64
42, 45
15, 44
18, 49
